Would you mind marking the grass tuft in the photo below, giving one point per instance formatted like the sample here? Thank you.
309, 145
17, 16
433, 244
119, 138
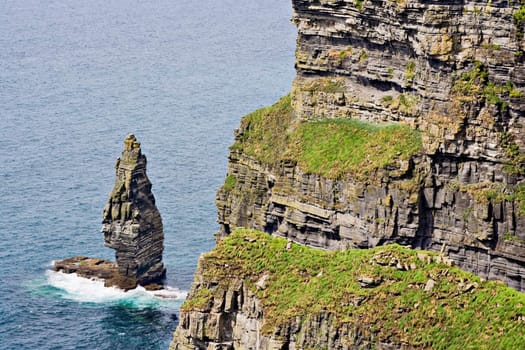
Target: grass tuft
333, 148
475, 84
229, 183
263, 133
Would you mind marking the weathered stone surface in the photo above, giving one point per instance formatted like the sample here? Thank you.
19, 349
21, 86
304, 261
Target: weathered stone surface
131, 222
131, 225
404, 62
98, 269
452, 70
235, 320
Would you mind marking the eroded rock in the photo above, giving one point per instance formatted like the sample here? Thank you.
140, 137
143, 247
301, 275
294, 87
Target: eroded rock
452, 71
132, 225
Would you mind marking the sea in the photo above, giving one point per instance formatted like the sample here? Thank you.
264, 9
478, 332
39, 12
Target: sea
75, 78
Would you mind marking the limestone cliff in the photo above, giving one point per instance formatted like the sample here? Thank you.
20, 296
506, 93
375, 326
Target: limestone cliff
131, 222
254, 291
404, 125
453, 73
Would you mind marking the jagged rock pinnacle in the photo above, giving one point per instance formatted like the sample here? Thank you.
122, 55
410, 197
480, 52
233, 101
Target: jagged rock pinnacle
132, 224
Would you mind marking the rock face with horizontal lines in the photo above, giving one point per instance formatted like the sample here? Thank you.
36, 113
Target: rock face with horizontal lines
235, 318
131, 225
453, 71
131, 222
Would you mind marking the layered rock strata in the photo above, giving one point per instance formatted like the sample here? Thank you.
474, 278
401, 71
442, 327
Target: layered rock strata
132, 225
99, 269
131, 221
451, 71
224, 312
234, 319
454, 72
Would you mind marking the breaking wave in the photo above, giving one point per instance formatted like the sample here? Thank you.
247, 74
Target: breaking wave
84, 290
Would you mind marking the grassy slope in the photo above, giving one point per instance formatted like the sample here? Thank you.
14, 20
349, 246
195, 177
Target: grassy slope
304, 281
336, 147
331, 148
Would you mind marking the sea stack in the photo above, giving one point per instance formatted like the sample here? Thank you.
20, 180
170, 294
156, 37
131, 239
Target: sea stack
131, 222
131, 225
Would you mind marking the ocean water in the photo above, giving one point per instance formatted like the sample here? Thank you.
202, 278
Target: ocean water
75, 78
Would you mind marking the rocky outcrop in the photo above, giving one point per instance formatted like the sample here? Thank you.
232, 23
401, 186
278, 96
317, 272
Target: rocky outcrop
131, 225
131, 222
234, 319
254, 291
452, 71
224, 312
99, 269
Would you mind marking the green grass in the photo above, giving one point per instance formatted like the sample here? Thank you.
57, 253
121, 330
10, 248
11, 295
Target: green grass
363, 56
333, 148
519, 20
200, 300
328, 85
520, 198
515, 165
482, 192
518, 194
304, 282
390, 72
406, 103
512, 238
471, 83
229, 183
410, 72
493, 47
515, 157
264, 132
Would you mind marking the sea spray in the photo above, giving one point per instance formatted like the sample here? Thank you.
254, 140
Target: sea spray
84, 290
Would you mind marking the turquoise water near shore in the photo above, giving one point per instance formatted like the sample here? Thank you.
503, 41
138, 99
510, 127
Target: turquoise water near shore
75, 78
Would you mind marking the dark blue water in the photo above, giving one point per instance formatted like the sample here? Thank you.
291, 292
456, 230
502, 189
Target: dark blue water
75, 78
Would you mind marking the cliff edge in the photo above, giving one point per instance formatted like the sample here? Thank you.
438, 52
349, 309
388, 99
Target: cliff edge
405, 125
255, 291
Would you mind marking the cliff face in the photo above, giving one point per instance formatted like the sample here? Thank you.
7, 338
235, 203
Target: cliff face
453, 73
225, 312
254, 291
404, 125
131, 222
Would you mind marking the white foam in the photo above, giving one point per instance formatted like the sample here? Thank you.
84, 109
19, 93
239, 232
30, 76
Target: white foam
87, 290
170, 293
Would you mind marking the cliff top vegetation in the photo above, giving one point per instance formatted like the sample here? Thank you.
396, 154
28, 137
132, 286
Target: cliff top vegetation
333, 148
398, 294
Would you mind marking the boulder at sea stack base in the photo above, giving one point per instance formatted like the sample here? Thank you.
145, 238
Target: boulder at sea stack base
132, 225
